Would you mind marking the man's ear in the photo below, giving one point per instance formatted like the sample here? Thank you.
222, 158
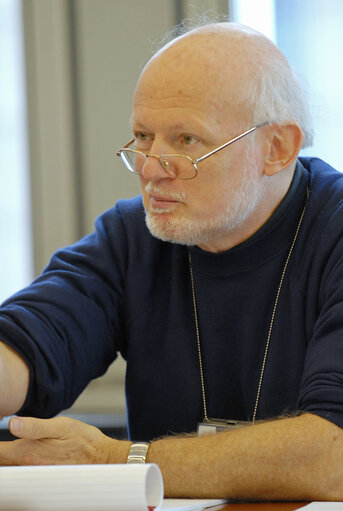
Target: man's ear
282, 148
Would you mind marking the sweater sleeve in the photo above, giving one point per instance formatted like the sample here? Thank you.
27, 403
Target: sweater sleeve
321, 389
68, 324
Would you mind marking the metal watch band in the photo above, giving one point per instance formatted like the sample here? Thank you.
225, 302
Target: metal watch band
138, 452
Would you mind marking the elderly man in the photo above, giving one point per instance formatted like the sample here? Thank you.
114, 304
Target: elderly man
229, 305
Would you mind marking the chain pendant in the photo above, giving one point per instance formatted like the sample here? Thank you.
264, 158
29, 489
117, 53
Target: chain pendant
213, 426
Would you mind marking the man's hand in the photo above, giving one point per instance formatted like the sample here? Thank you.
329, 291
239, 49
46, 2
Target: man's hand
59, 441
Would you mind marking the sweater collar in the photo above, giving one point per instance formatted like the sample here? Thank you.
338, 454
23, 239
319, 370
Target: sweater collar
268, 242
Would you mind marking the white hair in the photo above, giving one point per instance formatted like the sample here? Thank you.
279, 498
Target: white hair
278, 95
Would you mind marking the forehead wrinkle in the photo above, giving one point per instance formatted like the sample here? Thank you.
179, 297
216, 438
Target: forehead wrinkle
181, 118
175, 126
204, 109
162, 95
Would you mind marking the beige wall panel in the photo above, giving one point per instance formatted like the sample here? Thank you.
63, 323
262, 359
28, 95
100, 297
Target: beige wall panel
192, 9
50, 127
114, 40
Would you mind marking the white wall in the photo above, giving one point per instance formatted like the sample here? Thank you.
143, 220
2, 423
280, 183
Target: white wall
309, 32
15, 220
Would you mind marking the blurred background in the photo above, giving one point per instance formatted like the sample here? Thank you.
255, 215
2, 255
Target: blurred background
67, 73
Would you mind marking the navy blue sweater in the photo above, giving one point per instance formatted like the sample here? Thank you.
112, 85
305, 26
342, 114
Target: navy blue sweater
121, 290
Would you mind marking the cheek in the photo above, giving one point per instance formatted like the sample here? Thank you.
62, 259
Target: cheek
209, 199
215, 181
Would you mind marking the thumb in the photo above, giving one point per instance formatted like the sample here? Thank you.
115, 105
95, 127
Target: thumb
30, 427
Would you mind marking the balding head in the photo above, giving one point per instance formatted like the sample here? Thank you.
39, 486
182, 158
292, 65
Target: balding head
236, 69
197, 94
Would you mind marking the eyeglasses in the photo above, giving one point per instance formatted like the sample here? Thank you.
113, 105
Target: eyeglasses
177, 166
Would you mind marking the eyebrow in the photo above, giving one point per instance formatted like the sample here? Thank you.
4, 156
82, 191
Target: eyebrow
176, 126
139, 124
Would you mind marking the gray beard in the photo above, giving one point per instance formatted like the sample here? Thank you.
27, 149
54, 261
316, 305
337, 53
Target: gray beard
186, 231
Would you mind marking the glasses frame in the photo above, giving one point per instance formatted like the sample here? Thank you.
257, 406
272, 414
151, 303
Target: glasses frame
193, 161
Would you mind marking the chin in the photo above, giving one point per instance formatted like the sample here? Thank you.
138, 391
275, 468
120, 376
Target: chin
163, 228
181, 231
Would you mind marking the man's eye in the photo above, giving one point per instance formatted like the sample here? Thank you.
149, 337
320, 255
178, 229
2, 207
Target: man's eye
188, 140
141, 137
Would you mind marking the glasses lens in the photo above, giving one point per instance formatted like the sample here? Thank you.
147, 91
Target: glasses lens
178, 166
175, 166
133, 161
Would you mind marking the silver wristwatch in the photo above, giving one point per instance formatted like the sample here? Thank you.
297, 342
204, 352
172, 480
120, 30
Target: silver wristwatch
138, 452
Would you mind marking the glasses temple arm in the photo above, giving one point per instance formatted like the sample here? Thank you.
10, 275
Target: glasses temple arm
226, 144
231, 141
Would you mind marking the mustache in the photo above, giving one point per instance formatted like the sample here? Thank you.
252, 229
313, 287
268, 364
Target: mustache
165, 194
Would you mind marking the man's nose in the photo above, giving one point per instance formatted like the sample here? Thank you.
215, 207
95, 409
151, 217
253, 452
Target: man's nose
153, 170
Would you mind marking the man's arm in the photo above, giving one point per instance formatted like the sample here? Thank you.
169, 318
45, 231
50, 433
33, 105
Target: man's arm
299, 458
14, 380
289, 459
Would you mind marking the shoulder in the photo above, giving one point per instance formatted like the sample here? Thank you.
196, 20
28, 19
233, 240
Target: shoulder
125, 210
326, 193
125, 218
321, 240
324, 179
123, 227
118, 232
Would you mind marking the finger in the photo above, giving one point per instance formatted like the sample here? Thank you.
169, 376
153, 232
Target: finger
32, 428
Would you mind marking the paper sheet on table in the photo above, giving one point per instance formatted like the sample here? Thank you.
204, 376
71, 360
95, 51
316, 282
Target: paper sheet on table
81, 488
324, 506
191, 504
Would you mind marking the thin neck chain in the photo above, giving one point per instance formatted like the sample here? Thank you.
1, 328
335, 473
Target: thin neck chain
271, 324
